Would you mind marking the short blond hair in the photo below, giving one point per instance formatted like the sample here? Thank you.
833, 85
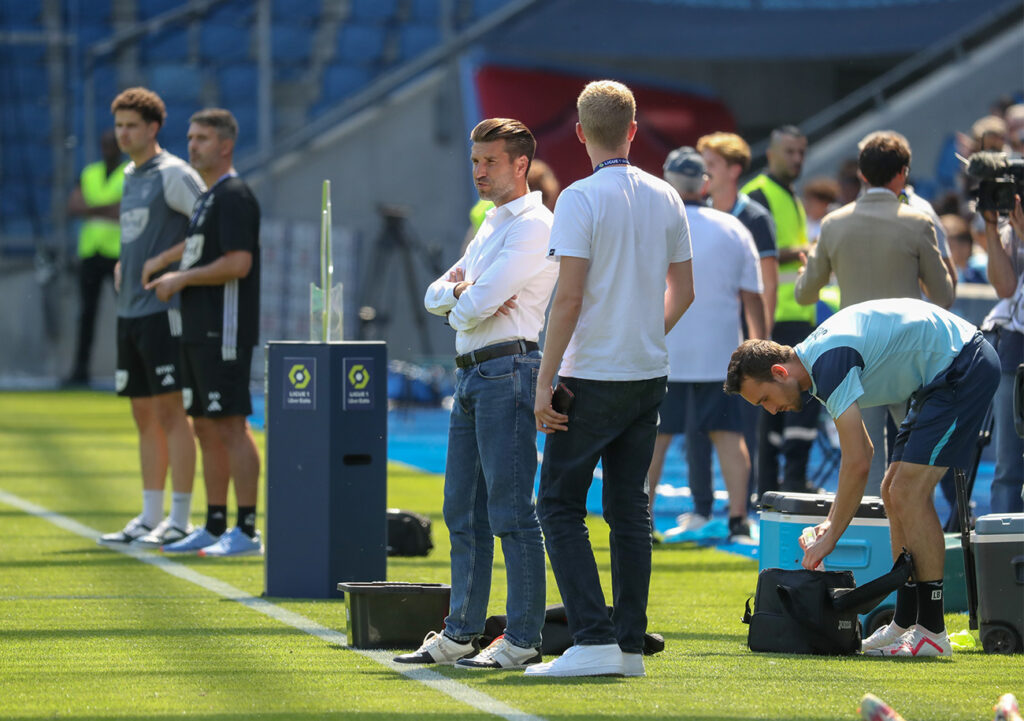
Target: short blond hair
730, 146
606, 109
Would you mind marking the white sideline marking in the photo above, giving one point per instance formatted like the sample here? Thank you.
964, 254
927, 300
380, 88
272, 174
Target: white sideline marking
463, 694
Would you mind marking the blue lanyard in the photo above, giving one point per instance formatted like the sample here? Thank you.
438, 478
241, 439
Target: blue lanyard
201, 200
610, 161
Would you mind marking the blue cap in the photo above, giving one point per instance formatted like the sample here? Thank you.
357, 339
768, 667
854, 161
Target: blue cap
685, 161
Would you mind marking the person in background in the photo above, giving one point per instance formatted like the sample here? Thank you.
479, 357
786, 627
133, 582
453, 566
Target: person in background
819, 196
970, 266
97, 200
848, 177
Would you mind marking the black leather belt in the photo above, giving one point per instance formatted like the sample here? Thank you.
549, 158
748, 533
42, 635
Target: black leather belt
467, 360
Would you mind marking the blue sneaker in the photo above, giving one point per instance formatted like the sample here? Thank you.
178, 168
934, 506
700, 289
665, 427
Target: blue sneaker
235, 543
197, 540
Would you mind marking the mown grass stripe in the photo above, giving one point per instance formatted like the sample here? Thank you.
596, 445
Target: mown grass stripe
469, 696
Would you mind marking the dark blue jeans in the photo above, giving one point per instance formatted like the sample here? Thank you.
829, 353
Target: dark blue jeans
615, 422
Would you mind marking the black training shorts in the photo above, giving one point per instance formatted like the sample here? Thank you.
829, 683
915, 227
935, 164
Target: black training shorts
148, 355
214, 387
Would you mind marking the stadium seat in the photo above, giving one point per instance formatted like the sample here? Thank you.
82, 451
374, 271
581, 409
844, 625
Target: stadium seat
247, 115
414, 40
151, 8
176, 83
305, 12
27, 78
95, 12
486, 7
290, 43
238, 12
164, 46
104, 78
340, 81
20, 15
424, 11
90, 33
361, 44
238, 83
378, 11
221, 42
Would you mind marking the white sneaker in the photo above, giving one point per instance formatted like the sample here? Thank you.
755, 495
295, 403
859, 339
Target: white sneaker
165, 532
437, 648
601, 660
883, 636
917, 642
686, 524
633, 664
501, 654
134, 529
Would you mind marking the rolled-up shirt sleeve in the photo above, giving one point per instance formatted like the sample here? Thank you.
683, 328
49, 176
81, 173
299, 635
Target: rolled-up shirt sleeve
440, 297
521, 258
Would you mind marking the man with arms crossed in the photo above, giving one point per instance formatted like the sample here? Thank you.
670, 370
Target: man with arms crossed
159, 193
219, 282
625, 279
495, 297
873, 354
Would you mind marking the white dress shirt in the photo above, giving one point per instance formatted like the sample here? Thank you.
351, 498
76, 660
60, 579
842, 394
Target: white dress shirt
506, 257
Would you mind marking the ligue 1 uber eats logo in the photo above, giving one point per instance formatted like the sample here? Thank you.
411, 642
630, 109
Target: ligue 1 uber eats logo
358, 376
299, 376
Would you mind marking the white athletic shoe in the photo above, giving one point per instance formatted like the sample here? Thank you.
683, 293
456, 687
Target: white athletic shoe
883, 636
917, 642
601, 660
686, 524
501, 654
165, 532
135, 529
633, 664
438, 649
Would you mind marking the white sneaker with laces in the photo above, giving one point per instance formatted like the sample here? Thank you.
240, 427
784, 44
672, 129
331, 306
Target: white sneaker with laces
917, 642
438, 649
235, 542
165, 532
501, 654
883, 636
601, 660
134, 529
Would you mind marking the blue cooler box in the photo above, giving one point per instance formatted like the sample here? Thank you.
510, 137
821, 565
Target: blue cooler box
864, 547
998, 542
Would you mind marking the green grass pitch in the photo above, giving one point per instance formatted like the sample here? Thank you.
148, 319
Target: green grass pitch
89, 633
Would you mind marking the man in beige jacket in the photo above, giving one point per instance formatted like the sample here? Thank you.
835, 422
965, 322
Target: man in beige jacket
878, 247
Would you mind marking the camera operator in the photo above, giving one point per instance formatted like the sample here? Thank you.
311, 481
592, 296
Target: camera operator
1004, 328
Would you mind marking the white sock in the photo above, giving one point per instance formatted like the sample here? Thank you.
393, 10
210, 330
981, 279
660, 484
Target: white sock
181, 508
152, 507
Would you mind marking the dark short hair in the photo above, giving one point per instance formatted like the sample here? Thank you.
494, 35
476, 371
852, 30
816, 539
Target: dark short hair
219, 119
754, 359
518, 138
791, 131
144, 101
883, 155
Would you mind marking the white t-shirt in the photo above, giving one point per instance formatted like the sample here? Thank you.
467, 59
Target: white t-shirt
631, 226
725, 262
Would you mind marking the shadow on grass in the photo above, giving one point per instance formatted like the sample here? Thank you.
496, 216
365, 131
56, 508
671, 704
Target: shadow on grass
191, 632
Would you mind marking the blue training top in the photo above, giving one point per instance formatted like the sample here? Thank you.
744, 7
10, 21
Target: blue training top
880, 351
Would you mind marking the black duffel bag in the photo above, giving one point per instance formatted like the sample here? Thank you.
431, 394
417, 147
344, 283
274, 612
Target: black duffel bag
408, 533
801, 611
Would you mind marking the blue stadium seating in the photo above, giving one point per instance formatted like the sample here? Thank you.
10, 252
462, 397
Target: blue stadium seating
485, 7
239, 12
104, 78
95, 11
223, 42
290, 43
238, 83
341, 81
362, 44
92, 32
176, 83
247, 115
413, 40
167, 45
306, 12
20, 15
424, 11
379, 11
151, 8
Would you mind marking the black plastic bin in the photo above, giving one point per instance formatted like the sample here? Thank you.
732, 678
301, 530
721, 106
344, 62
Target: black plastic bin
391, 614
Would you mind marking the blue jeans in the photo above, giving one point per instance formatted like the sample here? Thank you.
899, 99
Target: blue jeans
488, 491
616, 422
1009, 448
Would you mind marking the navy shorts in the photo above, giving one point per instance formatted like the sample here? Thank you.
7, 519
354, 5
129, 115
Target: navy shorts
148, 355
705, 405
942, 424
214, 387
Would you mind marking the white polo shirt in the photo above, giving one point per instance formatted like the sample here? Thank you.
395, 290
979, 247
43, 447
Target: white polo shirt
725, 261
630, 225
506, 257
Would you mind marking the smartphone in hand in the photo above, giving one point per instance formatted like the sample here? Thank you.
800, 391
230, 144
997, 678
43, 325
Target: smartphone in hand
561, 399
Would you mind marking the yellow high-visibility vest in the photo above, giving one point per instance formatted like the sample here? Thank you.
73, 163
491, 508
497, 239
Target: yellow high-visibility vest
100, 236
